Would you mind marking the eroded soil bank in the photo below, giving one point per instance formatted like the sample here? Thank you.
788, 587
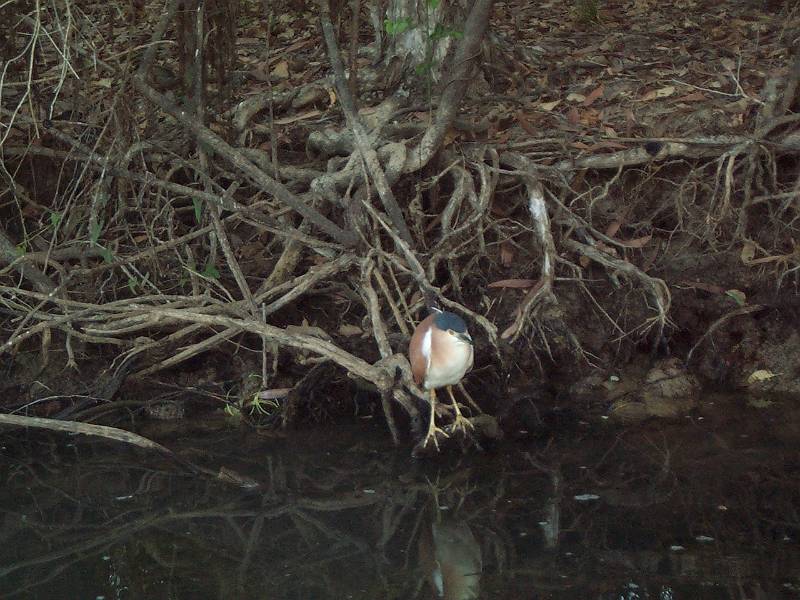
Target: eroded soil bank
713, 341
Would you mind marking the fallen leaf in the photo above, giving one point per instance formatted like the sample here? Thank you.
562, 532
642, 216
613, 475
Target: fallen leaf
525, 124
516, 284
590, 117
760, 375
748, 252
706, 287
594, 95
450, 136
260, 73
664, 92
613, 227
575, 97
693, 97
573, 116
548, 106
281, 70
636, 242
507, 254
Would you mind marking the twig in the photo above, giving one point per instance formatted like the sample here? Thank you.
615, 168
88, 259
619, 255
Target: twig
745, 310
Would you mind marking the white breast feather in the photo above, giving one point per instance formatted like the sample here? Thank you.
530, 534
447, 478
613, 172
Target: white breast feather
450, 374
426, 349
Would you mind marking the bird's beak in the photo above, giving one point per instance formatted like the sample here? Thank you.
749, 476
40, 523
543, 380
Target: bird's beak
464, 337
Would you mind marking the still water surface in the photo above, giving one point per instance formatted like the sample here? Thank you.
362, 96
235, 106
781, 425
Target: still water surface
704, 508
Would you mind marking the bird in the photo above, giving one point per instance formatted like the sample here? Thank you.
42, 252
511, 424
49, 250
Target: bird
450, 556
441, 352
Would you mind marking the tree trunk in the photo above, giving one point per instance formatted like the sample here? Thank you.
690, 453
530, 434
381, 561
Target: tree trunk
421, 34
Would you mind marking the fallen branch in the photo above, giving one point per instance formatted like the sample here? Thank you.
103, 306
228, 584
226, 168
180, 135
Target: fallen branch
74, 427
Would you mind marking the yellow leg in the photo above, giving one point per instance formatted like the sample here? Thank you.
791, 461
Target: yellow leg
432, 428
459, 422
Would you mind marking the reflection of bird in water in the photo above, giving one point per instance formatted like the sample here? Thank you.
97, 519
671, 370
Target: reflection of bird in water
441, 353
451, 557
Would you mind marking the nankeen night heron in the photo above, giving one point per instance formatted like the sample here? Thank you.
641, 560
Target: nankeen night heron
441, 353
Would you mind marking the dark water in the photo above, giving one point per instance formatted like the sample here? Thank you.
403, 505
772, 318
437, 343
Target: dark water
704, 508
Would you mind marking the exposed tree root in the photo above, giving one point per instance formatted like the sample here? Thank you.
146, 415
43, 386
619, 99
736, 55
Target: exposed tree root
382, 215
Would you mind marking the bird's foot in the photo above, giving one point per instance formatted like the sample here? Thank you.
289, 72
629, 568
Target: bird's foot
461, 424
432, 435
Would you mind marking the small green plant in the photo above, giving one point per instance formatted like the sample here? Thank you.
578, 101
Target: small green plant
134, 283
434, 34
95, 229
259, 406
198, 209
210, 271
107, 255
250, 405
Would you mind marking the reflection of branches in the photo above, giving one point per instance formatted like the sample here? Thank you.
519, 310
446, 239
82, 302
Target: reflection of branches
301, 516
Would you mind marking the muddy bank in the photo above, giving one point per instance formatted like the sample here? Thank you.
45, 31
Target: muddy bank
713, 342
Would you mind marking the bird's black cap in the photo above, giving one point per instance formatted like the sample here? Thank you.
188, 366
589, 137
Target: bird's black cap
448, 320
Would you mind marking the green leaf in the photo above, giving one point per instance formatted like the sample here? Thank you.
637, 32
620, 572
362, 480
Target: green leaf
107, 255
441, 32
94, 231
738, 296
198, 209
210, 271
397, 27
55, 218
20, 248
423, 68
434, 4
132, 284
